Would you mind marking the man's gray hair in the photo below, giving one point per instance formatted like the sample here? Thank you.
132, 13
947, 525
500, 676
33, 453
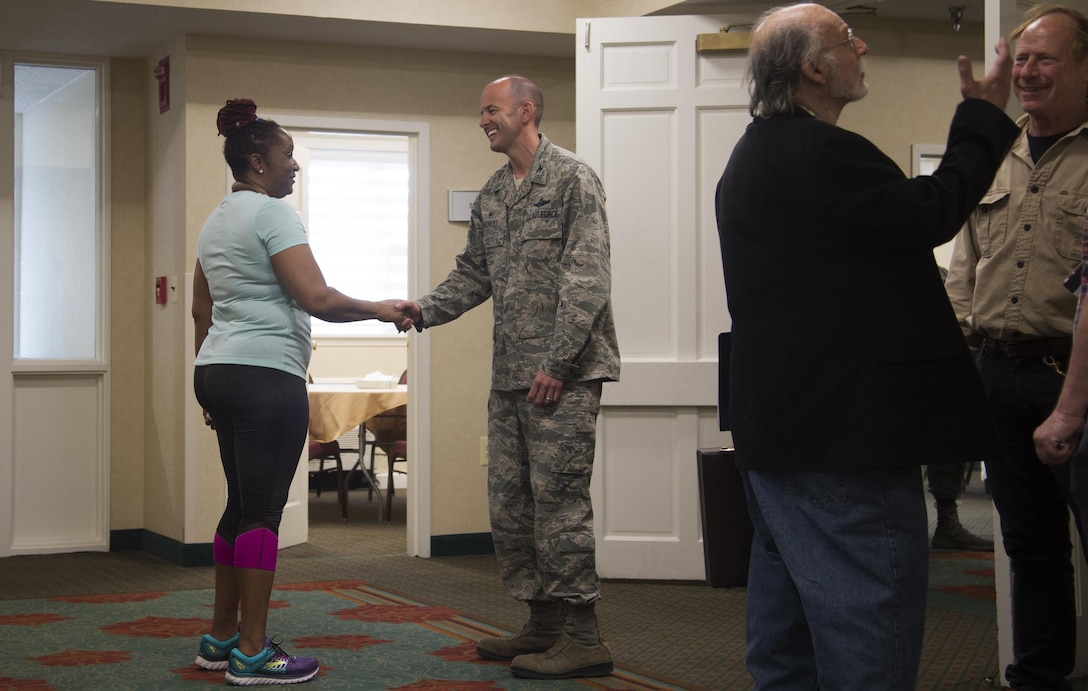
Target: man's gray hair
1080, 26
775, 62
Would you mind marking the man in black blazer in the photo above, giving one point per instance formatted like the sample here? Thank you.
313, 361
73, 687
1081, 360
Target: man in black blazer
848, 369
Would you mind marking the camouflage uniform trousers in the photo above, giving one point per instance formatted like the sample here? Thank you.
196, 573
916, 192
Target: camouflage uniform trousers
539, 465
946, 479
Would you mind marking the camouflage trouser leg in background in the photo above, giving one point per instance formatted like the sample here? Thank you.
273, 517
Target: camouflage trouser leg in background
946, 480
539, 465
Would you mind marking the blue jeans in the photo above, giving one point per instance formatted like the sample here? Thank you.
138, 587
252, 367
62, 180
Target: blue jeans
837, 581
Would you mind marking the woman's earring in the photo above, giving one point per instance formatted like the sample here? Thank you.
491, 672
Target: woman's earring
261, 171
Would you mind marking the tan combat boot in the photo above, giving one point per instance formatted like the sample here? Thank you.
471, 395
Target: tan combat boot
545, 626
582, 654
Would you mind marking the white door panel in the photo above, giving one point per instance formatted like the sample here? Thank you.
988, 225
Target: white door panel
641, 214
62, 498
664, 383
658, 121
718, 130
295, 525
642, 515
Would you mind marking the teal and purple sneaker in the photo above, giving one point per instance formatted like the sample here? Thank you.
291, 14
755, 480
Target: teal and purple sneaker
214, 654
270, 666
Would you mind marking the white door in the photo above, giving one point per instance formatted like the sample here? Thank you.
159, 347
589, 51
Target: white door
54, 311
658, 121
295, 524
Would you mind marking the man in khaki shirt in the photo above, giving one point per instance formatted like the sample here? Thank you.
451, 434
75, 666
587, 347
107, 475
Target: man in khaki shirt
1007, 285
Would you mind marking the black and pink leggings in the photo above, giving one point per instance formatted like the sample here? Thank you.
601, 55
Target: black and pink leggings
261, 416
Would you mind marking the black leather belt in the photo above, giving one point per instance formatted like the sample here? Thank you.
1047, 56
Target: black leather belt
1038, 347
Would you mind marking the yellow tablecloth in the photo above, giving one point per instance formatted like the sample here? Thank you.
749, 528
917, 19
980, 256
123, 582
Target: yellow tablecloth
338, 408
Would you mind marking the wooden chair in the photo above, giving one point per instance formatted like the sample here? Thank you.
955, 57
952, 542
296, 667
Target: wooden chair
322, 451
389, 432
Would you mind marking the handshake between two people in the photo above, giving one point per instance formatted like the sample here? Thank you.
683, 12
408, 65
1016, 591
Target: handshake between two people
404, 314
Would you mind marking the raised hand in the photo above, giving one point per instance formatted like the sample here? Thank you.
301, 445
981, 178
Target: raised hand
996, 86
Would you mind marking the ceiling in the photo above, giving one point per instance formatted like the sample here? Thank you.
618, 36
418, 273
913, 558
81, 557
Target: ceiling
128, 29
925, 10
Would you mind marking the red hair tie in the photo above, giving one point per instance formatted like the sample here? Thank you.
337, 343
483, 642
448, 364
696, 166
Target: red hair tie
236, 116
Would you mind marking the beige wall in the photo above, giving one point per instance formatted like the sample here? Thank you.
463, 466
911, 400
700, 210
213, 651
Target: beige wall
913, 83
914, 89
169, 189
130, 288
556, 16
333, 361
441, 89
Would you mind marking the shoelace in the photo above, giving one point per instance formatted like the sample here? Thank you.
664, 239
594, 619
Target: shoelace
274, 643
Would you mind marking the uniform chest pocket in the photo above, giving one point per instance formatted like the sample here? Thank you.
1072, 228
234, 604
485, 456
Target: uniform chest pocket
542, 239
492, 221
1069, 220
992, 221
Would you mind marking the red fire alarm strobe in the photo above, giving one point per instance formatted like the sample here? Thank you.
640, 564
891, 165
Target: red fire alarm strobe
162, 74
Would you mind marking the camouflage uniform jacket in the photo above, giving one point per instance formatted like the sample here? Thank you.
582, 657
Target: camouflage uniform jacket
541, 252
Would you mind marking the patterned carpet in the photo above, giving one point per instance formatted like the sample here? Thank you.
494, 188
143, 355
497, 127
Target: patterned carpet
365, 638
960, 648
684, 631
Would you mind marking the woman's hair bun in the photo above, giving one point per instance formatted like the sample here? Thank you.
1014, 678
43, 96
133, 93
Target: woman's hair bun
236, 116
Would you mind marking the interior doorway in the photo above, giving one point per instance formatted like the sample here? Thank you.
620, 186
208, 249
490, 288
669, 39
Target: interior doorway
374, 244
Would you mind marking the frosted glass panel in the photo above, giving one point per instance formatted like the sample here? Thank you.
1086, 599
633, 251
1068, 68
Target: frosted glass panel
56, 213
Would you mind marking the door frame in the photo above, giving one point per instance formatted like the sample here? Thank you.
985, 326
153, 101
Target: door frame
58, 374
419, 423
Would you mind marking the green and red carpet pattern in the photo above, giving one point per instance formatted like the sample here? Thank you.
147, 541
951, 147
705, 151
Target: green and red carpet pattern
370, 638
364, 637
960, 650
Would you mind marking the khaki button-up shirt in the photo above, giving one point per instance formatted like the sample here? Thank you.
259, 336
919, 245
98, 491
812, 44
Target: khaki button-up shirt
1012, 259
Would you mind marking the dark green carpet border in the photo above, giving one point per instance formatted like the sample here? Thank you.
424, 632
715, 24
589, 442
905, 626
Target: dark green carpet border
463, 545
199, 554
126, 540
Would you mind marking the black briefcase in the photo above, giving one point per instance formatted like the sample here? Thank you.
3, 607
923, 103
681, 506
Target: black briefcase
727, 530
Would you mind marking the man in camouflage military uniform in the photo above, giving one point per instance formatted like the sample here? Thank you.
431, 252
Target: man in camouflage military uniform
538, 246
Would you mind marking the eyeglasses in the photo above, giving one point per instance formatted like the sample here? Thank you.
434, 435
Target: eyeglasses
849, 39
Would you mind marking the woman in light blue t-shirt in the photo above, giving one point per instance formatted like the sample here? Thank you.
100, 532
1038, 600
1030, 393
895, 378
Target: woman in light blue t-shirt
255, 286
